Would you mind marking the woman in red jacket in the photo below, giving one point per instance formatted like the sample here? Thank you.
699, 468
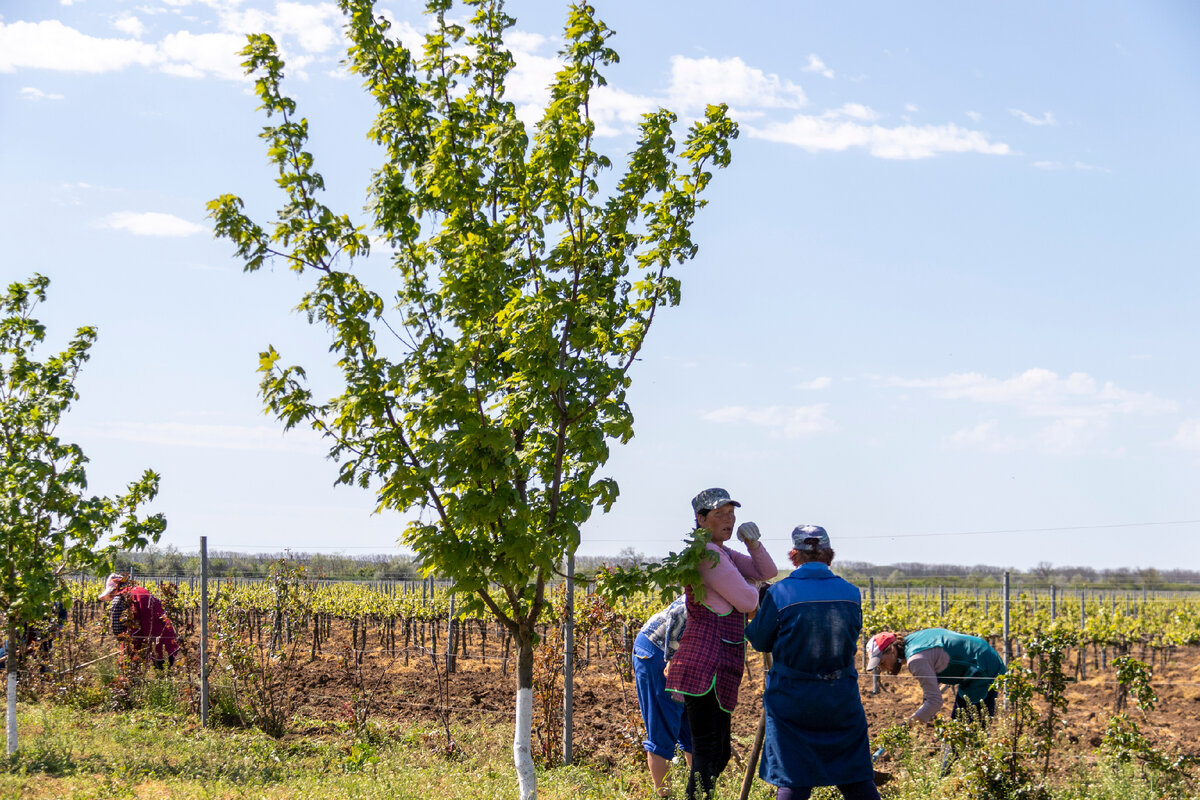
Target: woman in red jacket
151, 634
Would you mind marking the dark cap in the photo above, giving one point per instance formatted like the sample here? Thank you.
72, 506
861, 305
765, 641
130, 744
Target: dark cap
712, 498
810, 538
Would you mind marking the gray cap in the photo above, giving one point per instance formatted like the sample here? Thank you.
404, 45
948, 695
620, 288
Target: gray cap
712, 498
810, 538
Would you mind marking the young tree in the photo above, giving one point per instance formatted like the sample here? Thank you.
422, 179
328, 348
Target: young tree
481, 393
47, 526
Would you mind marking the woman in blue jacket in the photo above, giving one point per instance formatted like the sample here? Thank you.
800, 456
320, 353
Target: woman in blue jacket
816, 731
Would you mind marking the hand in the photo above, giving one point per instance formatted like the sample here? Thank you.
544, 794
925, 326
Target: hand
748, 532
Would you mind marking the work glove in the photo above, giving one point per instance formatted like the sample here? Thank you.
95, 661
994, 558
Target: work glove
748, 532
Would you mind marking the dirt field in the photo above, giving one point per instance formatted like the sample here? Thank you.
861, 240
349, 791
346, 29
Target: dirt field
606, 723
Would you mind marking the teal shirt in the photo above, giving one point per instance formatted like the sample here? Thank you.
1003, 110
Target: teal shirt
974, 664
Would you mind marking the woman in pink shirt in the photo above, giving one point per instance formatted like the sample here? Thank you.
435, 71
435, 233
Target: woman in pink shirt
707, 668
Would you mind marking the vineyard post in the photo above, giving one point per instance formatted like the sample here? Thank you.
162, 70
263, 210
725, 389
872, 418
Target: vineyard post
1082, 634
204, 631
569, 661
1007, 644
942, 602
450, 636
874, 672
1053, 602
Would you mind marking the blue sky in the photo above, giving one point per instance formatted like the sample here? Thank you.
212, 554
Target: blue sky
945, 301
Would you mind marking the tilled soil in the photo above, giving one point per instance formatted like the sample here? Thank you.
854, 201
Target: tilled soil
606, 721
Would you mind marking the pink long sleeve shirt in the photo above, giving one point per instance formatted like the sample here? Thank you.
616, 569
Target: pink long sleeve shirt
729, 584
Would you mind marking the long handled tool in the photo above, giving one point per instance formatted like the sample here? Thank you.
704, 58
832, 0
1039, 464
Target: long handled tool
756, 750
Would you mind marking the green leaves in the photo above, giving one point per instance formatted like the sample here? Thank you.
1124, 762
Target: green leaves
479, 393
48, 526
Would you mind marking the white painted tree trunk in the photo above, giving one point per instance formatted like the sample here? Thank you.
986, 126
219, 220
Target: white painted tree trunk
11, 712
522, 752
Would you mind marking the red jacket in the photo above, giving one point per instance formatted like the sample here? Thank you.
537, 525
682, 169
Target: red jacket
152, 630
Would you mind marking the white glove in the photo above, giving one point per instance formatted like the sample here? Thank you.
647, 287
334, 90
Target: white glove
748, 532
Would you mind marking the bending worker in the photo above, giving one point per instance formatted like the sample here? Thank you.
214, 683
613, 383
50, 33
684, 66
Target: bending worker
137, 613
816, 729
666, 723
934, 656
707, 668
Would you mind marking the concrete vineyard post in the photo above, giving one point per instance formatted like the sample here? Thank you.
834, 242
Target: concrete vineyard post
204, 631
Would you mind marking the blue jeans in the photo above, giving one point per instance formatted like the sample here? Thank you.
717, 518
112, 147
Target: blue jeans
666, 723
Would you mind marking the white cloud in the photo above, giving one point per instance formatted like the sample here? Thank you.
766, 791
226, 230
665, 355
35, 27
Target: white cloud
696, 82
30, 93
52, 45
815, 64
822, 382
911, 108
904, 142
131, 25
220, 437
974, 116
316, 28
1091, 167
790, 422
303, 32
1046, 118
151, 223
190, 55
1188, 435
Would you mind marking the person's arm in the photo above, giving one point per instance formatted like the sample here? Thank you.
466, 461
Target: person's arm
726, 588
762, 631
923, 667
758, 566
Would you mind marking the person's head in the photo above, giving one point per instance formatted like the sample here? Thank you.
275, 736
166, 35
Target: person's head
810, 543
113, 584
886, 651
715, 512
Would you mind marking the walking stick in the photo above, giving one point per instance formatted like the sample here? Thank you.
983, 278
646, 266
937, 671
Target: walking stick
756, 750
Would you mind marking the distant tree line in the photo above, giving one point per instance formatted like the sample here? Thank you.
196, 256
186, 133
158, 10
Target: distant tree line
227, 564
378, 567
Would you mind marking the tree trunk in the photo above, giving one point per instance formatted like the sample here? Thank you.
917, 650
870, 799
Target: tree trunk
522, 735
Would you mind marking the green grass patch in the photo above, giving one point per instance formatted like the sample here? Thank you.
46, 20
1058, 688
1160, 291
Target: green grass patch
159, 752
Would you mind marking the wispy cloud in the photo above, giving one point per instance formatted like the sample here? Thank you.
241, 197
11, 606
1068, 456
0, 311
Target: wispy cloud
985, 436
1046, 118
820, 383
818, 133
1091, 167
790, 422
30, 93
974, 116
815, 64
150, 223
1073, 410
1188, 435
1042, 393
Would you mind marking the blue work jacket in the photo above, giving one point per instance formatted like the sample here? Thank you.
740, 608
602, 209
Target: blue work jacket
816, 732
